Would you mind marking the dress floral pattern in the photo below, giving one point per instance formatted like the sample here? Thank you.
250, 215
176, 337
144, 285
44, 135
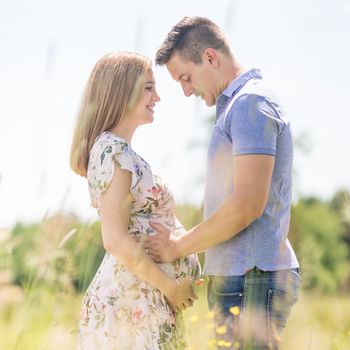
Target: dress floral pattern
120, 311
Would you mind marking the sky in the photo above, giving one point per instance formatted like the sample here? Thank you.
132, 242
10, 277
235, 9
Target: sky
48, 48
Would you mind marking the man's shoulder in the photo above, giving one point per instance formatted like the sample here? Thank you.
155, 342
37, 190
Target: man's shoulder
254, 100
254, 90
254, 95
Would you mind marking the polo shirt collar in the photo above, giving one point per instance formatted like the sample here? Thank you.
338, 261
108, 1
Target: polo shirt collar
241, 80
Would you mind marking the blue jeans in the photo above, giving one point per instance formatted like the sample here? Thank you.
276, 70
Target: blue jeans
251, 311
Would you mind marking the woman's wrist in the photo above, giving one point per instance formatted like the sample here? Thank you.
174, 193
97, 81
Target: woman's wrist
169, 286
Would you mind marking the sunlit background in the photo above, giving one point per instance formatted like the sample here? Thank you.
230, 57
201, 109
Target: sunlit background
50, 245
48, 49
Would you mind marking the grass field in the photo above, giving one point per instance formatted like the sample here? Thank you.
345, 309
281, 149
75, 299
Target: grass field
317, 323
42, 319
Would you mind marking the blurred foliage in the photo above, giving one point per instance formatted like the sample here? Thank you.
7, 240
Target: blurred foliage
63, 253
317, 234
60, 253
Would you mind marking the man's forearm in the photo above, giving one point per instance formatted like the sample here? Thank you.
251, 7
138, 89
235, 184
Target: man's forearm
232, 217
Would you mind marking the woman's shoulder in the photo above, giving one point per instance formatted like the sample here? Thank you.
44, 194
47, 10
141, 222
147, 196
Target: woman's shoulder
107, 138
109, 151
109, 144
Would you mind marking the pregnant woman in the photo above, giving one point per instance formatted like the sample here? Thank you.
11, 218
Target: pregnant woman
132, 302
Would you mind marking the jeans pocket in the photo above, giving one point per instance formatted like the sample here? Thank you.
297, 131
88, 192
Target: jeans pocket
227, 294
297, 272
225, 299
280, 304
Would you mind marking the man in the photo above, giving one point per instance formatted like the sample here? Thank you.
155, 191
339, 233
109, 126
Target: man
253, 272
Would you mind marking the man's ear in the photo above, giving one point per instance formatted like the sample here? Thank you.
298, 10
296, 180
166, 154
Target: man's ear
211, 56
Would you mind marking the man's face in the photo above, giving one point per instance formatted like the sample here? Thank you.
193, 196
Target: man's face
195, 79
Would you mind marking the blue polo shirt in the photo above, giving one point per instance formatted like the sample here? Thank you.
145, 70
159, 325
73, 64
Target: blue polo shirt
250, 120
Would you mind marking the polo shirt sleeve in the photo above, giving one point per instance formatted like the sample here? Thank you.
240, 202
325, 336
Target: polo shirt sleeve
253, 126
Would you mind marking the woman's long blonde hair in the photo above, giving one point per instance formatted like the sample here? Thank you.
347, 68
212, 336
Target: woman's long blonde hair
113, 89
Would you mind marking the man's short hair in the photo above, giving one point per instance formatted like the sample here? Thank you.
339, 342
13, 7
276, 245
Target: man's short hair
190, 37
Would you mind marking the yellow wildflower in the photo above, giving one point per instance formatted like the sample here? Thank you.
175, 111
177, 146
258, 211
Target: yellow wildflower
194, 318
225, 344
221, 330
210, 314
234, 310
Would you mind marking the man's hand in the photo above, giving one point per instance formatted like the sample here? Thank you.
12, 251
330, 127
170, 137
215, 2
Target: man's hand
161, 247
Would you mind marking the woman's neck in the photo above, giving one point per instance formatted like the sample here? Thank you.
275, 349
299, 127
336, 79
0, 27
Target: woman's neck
123, 131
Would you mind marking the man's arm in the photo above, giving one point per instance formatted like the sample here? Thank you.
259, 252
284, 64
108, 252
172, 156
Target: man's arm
252, 178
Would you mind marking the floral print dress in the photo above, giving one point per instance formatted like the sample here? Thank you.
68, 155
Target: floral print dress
120, 311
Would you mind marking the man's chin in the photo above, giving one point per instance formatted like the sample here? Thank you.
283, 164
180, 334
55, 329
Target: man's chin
209, 103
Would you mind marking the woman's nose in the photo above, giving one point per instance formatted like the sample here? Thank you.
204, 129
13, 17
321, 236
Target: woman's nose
156, 97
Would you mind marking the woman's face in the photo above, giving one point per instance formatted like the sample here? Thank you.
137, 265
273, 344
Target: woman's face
143, 112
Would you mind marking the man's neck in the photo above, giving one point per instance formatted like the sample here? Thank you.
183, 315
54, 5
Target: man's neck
235, 71
231, 69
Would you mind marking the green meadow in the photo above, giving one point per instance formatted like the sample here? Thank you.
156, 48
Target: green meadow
47, 320
45, 268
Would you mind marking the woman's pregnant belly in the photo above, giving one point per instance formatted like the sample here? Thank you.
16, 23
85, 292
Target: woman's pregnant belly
140, 229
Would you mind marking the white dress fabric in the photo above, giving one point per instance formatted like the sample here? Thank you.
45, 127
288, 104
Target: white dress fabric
120, 311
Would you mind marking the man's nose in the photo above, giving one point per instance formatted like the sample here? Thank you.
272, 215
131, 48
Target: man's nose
187, 89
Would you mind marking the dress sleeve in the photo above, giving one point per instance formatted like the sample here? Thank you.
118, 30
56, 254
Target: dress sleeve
104, 157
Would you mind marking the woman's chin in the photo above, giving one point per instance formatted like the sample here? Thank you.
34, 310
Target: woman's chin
149, 120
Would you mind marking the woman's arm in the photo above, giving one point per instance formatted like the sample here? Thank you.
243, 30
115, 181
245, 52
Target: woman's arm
115, 216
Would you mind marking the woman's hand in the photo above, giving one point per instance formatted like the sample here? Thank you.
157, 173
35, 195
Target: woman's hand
180, 295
